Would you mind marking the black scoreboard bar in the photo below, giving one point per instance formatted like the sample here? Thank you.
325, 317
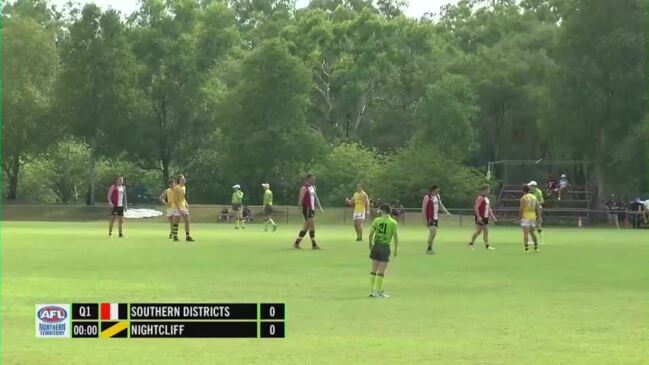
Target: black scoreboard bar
188, 311
177, 320
193, 329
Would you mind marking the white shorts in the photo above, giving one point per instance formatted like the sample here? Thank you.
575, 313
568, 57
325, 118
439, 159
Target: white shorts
170, 212
180, 212
359, 216
528, 223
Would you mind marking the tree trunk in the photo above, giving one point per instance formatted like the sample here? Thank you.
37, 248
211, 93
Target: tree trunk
599, 189
92, 165
164, 162
13, 177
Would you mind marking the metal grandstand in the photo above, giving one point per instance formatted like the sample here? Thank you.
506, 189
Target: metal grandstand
512, 174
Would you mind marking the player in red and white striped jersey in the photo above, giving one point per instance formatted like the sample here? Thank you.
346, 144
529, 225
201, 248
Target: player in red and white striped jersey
430, 209
116, 198
483, 212
308, 201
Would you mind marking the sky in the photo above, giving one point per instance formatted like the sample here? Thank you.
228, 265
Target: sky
416, 8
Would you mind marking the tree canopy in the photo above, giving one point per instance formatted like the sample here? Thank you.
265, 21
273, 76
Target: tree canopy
245, 92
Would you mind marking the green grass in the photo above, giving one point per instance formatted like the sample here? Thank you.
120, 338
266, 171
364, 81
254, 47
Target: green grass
582, 300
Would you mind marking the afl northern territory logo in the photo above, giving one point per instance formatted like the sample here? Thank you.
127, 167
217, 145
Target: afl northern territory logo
52, 320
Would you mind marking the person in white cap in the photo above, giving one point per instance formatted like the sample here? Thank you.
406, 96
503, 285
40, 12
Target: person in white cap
563, 184
237, 203
268, 207
538, 194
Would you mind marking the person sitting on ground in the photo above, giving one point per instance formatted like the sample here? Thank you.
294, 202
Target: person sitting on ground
225, 215
247, 214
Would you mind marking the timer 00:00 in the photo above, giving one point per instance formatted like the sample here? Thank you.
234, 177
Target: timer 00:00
85, 329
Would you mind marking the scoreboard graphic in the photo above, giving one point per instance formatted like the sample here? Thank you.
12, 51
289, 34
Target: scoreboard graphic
160, 320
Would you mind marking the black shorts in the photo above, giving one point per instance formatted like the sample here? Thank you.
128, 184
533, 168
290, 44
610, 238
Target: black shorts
236, 206
117, 211
481, 221
380, 252
268, 210
308, 213
433, 222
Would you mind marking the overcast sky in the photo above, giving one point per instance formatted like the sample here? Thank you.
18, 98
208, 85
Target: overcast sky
417, 7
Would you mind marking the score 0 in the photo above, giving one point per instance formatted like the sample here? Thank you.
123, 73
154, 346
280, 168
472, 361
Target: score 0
272, 311
272, 320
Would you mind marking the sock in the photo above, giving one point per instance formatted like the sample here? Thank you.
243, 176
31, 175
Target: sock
299, 237
187, 233
372, 281
379, 283
271, 221
359, 236
312, 236
430, 246
174, 231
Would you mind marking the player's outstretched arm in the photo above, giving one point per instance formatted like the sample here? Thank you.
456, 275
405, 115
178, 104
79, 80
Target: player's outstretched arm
424, 203
163, 198
443, 207
371, 237
396, 243
108, 196
317, 201
300, 198
367, 204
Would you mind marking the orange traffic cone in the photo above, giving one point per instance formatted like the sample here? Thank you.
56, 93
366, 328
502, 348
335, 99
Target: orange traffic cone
579, 221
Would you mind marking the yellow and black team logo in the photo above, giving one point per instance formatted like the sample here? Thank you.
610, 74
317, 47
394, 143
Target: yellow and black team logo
114, 329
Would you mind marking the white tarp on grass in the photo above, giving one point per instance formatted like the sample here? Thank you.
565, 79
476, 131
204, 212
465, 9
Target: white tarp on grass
142, 213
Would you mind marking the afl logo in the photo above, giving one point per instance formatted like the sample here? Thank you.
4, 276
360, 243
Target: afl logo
52, 314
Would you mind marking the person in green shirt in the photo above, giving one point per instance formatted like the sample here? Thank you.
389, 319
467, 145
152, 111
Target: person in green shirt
237, 203
538, 194
384, 229
268, 207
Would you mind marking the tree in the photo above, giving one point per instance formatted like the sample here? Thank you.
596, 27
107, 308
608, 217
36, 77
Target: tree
30, 66
600, 93
264, 132
446, 114
344, 166
407, 174
96, 88
179, 45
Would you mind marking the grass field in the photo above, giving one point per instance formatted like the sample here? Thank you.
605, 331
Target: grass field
582, 300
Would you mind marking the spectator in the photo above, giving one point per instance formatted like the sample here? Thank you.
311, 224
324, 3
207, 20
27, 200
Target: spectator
397, 209
637, 213
246, 214
563, 184
553, 186
225, 215
613, 207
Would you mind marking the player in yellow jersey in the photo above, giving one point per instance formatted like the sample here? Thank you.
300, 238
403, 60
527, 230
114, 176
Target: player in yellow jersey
361, 204
530, 217
181, 208
167, 199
